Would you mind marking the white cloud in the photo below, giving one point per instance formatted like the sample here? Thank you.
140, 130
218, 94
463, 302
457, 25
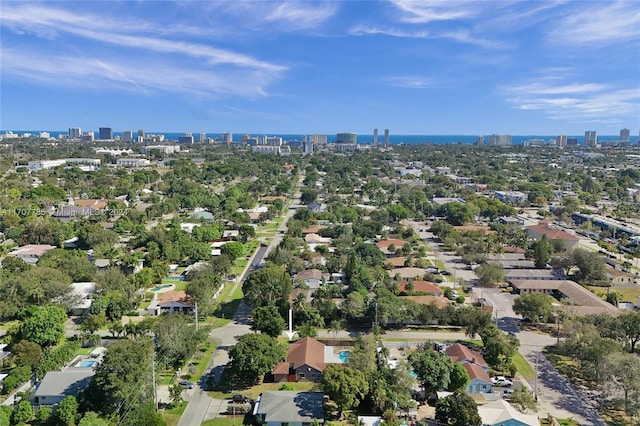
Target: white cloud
578, 101
134, 61
410, 82
420, 12
301, 15
370, 30
599, 23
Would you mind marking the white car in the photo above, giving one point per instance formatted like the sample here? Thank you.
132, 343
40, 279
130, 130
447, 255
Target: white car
501, 381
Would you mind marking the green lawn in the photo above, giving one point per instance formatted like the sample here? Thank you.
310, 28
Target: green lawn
629, 294
523, 366
201, 361
255, 391
172, 415
229, 421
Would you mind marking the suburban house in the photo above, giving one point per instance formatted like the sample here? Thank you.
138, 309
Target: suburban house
391, 242
476, 366
291, 408
82, 293
407, 273
306, 360
501, 413
176, 302
553, 233
463, 355
312, 278
479, 380
31, 253
57, 385
615, 277
419, 286
583, 302
437, 301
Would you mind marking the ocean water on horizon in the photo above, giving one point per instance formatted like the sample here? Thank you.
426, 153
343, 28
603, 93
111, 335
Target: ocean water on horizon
362, 138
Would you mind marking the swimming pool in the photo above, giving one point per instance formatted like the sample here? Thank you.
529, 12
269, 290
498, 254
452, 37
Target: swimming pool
161, 287
86, 363
344, 356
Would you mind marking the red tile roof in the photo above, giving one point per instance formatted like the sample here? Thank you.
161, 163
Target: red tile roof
543, 228
476, 372
420, 285
460, 353
386, 243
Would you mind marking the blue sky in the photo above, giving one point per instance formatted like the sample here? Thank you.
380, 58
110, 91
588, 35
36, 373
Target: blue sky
446, 67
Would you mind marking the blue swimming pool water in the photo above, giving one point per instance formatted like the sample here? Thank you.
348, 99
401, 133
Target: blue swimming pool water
88, 363
161, 287
344, 356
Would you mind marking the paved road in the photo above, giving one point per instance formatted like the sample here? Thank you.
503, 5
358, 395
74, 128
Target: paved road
556, 395
201, 406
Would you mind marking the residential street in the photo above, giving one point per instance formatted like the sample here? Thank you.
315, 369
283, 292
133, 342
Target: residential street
201, 406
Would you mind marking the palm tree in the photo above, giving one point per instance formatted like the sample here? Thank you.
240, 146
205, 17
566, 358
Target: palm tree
299, 303
336, 327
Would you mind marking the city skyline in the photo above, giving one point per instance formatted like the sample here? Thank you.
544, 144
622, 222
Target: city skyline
317, 67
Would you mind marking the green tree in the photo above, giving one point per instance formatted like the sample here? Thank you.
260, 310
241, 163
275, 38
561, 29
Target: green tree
233, 249
345, 386
269, 286
123, 380
42, 416
44, 325
540, 251
91, 418
176, 338
432, 368
537, 307
459, 378
456, 213
23, 413
175, 392
524, 399
473, 319
499, 348
67, 411
26, 353
629, 323
490, 274
622, 376
267, 320
255, 355
458, 409
591, 267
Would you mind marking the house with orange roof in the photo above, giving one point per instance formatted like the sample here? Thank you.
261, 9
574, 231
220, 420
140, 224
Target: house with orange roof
419, 286
174, 302
476, 366
553, 233
479, 380
437, 301
385, 244
306, 360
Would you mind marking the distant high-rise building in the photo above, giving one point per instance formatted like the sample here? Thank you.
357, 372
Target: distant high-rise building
304, 138
127, 135
227, 138
187, 138
499, 140
561, 140
319, 139
307, 147
140, 135
386, 137
272, 141
590, 138
105, 133
572, 141
75, 133
479, 140
351, 138
203, 137
375, 137
624, 135
88, 136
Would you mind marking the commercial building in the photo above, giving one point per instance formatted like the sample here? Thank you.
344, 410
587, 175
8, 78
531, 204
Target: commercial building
561, 140
127, 135
227, 138
572, 141
75, 133
499, 140
105, 133
386, 137
186, 139
346, 138
624, 135
590, 138
307, 147
38, 165
132, 162
319, 139
375, 137
479, 140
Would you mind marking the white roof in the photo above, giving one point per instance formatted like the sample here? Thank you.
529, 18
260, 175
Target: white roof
500, 411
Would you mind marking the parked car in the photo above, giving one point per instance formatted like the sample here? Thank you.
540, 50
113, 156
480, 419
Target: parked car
239, 399
501, 381
506, 393
187, 385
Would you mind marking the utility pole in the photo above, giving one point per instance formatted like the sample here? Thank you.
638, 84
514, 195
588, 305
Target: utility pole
153, 376
535, 389
197, 325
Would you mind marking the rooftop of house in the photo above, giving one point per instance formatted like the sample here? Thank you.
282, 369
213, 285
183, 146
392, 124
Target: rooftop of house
476, 372
310, 274
64, 383
31, 250
458, 352
407, 272
306, 351
290, 406
421, 286
438, 301
384, 244
501, 412
179, 296
96, 204
552, 233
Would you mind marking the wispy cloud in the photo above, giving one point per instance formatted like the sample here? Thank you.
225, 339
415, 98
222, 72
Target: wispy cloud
167, 64
420, 12
394, 32
578, 101
410, 82
599, 23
